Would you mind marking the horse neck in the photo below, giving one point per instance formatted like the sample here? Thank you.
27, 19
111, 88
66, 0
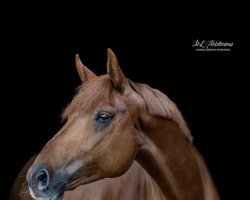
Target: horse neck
167, 155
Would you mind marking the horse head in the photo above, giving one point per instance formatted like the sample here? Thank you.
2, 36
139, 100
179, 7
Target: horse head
99, 138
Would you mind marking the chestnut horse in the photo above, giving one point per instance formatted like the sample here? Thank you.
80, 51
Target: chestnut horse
122, 141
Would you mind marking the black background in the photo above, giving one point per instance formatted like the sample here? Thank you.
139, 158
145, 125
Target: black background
39, 77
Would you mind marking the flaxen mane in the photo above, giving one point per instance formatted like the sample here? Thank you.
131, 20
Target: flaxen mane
159, 104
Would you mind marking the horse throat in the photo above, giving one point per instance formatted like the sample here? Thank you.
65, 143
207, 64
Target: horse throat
166, 154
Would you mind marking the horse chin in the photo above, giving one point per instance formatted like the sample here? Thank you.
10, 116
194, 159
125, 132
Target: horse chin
58, 196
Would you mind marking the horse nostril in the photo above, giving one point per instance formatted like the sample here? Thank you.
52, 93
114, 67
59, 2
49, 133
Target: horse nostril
42, 179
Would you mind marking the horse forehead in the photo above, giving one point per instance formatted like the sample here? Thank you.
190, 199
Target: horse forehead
92, 94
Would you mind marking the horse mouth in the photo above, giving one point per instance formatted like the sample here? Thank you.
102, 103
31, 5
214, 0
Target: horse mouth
57, 196
77, 181
73, 184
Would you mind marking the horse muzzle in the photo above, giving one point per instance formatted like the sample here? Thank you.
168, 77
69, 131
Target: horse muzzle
44, 185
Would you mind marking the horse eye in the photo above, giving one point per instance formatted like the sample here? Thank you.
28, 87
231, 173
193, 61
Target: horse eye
104, 117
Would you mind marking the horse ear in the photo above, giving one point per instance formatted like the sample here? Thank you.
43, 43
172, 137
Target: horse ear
84, 73
115, 72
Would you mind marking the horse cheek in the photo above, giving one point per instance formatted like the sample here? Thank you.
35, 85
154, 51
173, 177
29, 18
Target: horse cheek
121, 153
